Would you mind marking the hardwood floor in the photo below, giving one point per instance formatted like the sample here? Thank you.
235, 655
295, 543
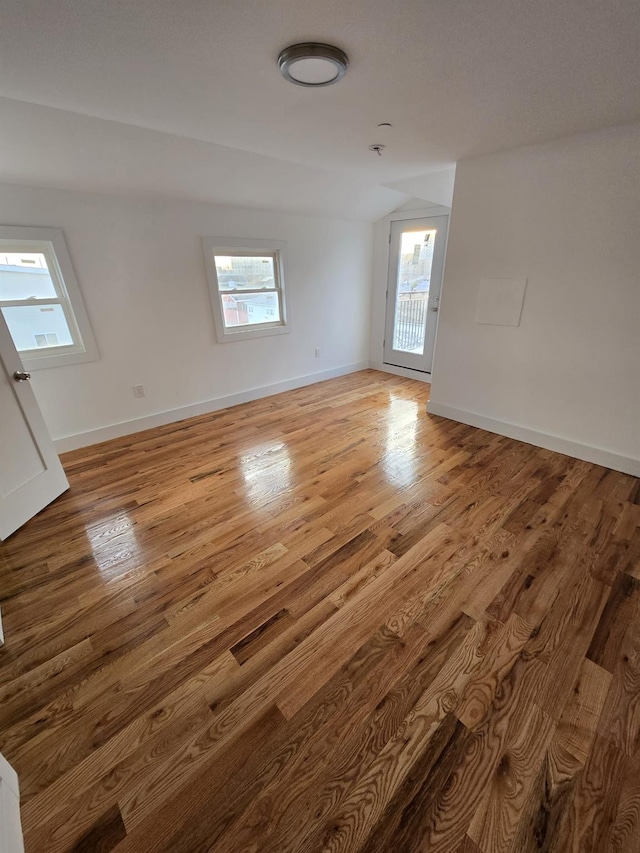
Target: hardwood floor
326, 621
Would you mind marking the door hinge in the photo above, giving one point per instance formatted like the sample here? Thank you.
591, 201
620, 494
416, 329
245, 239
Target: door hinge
384, 343
386, 294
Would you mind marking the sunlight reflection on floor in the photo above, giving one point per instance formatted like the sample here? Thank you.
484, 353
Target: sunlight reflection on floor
266, 470
399, 456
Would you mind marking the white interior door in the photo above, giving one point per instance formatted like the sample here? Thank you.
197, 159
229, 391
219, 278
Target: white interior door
10, 829
31, 475
416, 262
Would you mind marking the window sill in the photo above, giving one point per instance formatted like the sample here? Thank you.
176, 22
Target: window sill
227, 337
63, 359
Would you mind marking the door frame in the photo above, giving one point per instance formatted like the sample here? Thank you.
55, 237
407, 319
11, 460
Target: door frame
388, 362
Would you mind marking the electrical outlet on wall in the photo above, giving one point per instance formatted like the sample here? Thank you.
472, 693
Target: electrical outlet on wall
317, 352
138, 391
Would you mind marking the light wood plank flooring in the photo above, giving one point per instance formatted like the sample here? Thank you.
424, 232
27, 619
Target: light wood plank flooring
326, 621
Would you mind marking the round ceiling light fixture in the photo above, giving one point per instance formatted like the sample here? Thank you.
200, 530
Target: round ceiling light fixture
313, 64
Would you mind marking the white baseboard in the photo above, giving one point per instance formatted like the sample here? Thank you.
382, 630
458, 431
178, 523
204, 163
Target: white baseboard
419, 375
94, 436
598, 455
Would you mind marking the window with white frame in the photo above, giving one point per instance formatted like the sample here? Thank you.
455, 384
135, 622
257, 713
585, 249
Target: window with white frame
246, 284
40, 299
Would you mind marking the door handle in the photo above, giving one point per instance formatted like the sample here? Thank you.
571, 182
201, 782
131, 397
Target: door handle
21, 376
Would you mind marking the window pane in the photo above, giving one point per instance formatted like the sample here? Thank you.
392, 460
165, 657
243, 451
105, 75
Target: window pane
250, 309
246, 273
37, 326
414, 276
25, 276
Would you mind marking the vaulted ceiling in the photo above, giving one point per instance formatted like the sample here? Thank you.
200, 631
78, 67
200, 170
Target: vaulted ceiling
184, 98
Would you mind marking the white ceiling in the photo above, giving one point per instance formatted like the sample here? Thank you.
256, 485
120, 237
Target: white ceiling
456, 78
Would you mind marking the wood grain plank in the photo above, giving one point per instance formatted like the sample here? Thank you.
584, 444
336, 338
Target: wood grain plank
587, 822
547, 801
625, 833
496, 818
104, 835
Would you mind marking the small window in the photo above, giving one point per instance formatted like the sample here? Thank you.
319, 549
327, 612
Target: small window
40, 299
247, 287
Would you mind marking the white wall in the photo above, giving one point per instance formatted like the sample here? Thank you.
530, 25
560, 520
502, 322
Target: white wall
567, 216
432, 187
88, 154
141, 271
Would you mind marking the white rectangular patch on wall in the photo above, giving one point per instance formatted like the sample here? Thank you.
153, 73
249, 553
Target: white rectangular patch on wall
500, 301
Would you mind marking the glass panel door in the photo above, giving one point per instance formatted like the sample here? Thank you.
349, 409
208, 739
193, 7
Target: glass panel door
415, 275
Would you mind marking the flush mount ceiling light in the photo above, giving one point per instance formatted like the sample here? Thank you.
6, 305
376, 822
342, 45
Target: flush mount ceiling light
313, 64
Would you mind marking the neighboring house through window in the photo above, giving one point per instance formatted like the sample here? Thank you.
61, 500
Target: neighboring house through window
246, 284
40, 299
